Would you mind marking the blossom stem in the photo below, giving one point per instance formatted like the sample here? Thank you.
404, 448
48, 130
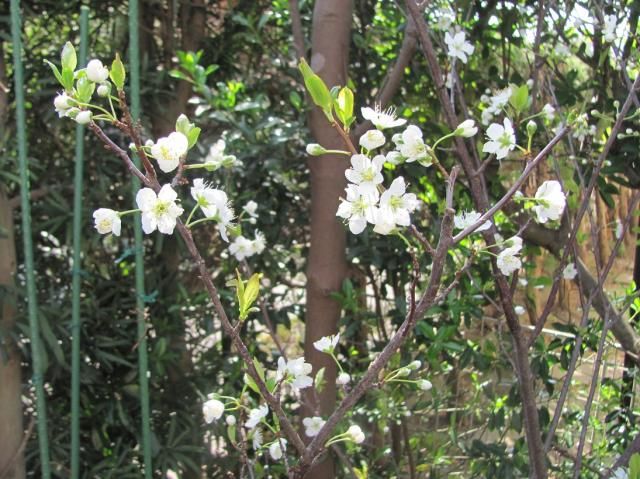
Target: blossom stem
89, 105
113, 111
337, 362
195, 208
440, 140
122, 213
201, 220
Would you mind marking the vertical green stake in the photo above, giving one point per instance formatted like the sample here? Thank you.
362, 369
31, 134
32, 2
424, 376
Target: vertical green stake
32, 306
143, 367
77, 263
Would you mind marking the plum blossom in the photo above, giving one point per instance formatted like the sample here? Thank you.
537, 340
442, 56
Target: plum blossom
372, 139
458, 46
312, 425
216, 157
230, 420
256, 439
382, 119
508, 260
519, 310
366, 173
425, 384
212, 410
502, 139
96, 71
213, 203
495, 104
569, 272
548, 112
395, 206
551, 201
355, 434
298, 370
83, 117
609, 29
158, 211
62, 104
327, 344
412, 147
466, 129
250, 208
243, 248
358, 208
464, 219
343, 378
171, 474
169, 150
277, 449
107, 221
256, 415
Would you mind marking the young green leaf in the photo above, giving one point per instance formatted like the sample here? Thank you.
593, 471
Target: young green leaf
344, 107
68, 58
520, 98
117, 73
55, 71
318, 90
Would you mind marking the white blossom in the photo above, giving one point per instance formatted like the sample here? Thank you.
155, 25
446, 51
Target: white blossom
466, 129
327, 344
382, 119
256, 415
425, 384
358, 208
158, 211
169, 150
343, 378
213, 203
458, 46
464, 219
384, 220
216, 157
548, 112
312, 425
243, 247
103, 90
171, 474
256, 439
356, 434
107, 221
619, 229
502, 139
230, 420
96, 71
495, 104
366, 173
413, 148
551, 201
519, 310
609, 29
372, 139
276, 449
62, 104
250, 208
508, 260
83, 117
212, 410
298, 370
569, 272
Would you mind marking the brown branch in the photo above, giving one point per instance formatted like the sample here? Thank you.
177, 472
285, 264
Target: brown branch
4, 473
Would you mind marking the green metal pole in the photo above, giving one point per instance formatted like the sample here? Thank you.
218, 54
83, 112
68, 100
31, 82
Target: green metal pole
32, 306
143, 367
77, 263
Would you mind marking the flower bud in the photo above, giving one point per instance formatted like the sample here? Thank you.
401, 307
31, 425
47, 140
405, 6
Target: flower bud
532, 126
96, 71
404, 372
83, 117
104, 90
343, 378
466, 129
424, 384
230, 420
414, 365
314, 149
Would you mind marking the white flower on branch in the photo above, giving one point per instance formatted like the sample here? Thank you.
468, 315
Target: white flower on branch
609, 29
412, 147
256, 415
508, 260
243, 247
551, 201
312, 425
96, 71
343, 378
169, 150
158, 211
382, 119
297, 370
212, 410
276, 449
458, 46
83, 117
425, 384
62, 104
569, 272
355, 434
256, 439
213, 203
372, 139
502, 139
466, 129
107, 221
464, 219
358, 208
366, 173
519, 310
327, 344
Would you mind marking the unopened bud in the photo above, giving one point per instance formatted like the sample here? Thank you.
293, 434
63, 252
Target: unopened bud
83, 117
104, 90
532, 126
314, 149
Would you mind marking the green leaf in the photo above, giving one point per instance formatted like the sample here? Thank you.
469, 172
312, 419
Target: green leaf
55, 71
520, 98
240, 292
117, 73
344, 107
85, 89
252, 289
317, 88
193, 136
319, 381
251, 383
68, 58
67, 79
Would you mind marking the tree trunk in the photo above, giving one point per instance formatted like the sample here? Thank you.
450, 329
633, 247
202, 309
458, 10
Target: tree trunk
327, 265
11, 431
